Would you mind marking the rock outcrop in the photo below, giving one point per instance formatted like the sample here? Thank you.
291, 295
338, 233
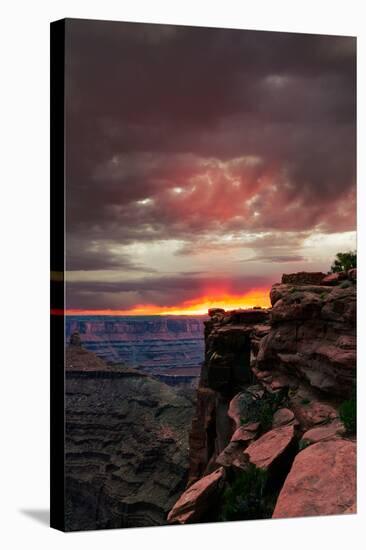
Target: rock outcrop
126, 444
312, 337
196, 502
229, 337
322, 481
271, 447
272, 384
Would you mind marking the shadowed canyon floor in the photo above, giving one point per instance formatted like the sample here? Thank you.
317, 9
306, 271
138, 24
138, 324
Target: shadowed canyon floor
126, 445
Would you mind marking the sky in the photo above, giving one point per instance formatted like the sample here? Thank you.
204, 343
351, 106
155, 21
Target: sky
203, 163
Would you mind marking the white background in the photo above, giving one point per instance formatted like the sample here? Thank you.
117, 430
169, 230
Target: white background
24, 290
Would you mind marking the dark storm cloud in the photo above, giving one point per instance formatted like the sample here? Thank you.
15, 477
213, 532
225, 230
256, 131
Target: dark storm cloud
84, 254
162, 291
181, 132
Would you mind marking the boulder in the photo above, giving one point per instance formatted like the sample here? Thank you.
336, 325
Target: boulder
269, 448
197, 501
283, 417
246, 432
237, 407
323, 433
314, 413
322, 481
334, 278
352, 274
233, 455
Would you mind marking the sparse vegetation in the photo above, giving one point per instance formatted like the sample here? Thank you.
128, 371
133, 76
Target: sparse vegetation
303, 444
348, 415
245, 498
344, 261
262, 409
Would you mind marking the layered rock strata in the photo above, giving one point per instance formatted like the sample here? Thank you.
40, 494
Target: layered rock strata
269, 397
126, 444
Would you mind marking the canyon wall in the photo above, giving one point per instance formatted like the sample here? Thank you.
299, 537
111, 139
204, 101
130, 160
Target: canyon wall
126, 444
169, 347
276, 401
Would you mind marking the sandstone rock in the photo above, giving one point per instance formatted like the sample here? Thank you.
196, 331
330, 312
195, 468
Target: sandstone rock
196, 501
312, 337
303, 278
203, 433
324, 433
322, 481
297, 307
266, 450
246, 432
340, 306
334, 278
352, 274
240, 404
275, 293
233, 455
247, 316
314, 413
283, 417
236, 407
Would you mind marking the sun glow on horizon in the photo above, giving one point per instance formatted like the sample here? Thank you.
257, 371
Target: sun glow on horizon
198, 306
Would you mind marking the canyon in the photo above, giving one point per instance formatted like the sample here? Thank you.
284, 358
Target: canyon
269, 431
169, 347
274, 432
126, 444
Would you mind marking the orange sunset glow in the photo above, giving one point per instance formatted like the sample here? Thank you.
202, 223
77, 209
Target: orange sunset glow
198, 306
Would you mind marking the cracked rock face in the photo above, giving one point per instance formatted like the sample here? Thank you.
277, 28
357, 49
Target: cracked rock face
301, 355
322, 481
196, 501
126, 445
313, 336
265, 451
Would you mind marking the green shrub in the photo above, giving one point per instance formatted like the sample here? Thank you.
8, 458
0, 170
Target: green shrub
344, 261
303, 444
262, 409
245, 498
305, 401
348, 415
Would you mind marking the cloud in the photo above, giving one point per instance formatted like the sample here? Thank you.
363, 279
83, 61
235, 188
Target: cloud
163, 291
200, 134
